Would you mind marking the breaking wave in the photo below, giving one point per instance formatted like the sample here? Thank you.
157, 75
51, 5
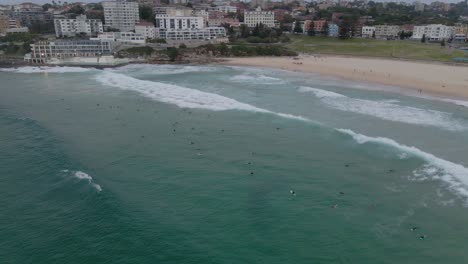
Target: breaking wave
181, 96
162, 69
255, 78
454, 175
388, 110
48, 69
84, 176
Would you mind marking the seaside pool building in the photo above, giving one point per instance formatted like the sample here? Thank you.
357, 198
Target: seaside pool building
43, 51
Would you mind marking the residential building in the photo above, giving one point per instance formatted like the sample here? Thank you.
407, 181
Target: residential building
367, 31
10, 25
386, 31
224, 9
461, 29
146, 29
333, 30
418, 6
252, 18
31, 16
433, 32
319, 25
208, 33
178, 2
72, 27
121, 15
122, 37
42, 51
179, 22
258, 4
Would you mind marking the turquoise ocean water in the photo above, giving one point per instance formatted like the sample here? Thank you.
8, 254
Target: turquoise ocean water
195, 164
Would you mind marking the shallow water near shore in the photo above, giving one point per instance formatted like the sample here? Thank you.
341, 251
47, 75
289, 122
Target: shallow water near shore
195, 164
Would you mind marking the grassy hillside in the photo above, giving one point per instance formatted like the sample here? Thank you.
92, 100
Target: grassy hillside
373, 48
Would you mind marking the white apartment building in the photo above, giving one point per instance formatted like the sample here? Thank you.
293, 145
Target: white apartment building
386, 31
433, 32
121, 15
179, 22
122, 37
146, 29
252, 18
367, 31
208, 33
72, 27
224, 9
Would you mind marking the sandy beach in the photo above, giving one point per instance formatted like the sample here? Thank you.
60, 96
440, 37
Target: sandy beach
431, 78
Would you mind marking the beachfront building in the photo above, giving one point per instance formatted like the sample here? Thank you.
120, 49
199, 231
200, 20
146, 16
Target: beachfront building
461, 29
367, 31
146, 29
208, 33
43, 51
122, 37
121, 15
72, 27
179, 22
186, 28
253, 18
433, 32
386, 31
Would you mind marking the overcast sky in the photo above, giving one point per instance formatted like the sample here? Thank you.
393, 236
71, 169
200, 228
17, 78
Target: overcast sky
95, 1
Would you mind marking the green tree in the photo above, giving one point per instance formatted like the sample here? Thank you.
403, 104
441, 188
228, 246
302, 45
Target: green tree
326, 29
311, 30
373, 34
442, 43
189, 5
244, 31
182, 46
297, 27
46, 7
146, 13
77, 9
423, 39
172, 53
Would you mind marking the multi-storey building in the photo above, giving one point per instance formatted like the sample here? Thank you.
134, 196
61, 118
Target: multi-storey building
386, 31
333, 30
121, 15
224, 9
146, 29
433, 32
122, 37
179, 22
208, 33
319, 25
253, 18
367, 31
42, 51
72, 27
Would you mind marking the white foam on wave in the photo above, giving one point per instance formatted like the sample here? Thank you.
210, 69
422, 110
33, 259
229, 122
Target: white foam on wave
84, 176
256, 79
454, 175
162, 69
388, 110
181, 96
457, 102
43, 69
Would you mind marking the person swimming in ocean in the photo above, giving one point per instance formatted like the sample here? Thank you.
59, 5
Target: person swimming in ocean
334, 206
422, 237
414, 228
292, 192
